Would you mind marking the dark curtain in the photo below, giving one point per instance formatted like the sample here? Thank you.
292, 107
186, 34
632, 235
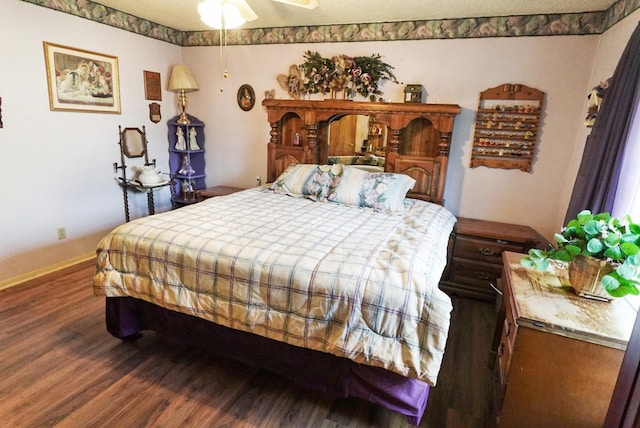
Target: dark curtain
599, 172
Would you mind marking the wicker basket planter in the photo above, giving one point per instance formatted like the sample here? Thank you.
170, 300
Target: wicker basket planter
585, 274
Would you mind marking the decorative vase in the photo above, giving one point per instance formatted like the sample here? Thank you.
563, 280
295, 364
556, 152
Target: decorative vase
585, 275
338, 88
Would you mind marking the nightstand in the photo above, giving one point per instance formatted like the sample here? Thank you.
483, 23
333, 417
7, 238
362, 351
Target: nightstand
474, 261
212, 192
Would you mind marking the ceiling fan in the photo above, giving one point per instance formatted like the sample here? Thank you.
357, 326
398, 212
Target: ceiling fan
233, 13
307, 4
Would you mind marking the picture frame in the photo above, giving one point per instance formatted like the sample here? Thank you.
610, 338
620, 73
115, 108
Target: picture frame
81, 80
246, 97
152, 86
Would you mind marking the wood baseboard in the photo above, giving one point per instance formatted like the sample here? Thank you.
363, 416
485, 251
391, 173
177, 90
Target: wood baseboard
41, 274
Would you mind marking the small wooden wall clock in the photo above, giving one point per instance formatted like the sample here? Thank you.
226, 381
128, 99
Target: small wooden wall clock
506, 130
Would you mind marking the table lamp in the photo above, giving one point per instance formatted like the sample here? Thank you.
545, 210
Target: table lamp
182, 81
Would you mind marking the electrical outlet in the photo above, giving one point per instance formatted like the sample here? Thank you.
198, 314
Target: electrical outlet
62, 233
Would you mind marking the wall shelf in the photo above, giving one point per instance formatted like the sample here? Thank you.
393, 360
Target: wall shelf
507, 125
186, 160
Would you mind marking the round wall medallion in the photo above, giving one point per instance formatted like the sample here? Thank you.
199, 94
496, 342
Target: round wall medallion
246, 97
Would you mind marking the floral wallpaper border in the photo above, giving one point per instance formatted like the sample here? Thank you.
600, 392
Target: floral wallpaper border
502, 26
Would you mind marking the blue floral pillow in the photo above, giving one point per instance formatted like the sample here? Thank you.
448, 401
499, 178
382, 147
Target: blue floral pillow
308, 180
382, 191
323, 181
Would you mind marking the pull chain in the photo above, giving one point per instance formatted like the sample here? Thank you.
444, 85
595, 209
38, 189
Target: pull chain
223, 52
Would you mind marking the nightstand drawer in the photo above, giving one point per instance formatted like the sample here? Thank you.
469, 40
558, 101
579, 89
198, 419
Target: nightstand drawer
476, 274
485, 250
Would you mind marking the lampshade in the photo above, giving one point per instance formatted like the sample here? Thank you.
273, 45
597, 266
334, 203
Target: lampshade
225, 13
181, 79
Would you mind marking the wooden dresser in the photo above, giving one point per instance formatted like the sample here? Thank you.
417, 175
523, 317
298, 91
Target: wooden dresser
475, 255
559, 354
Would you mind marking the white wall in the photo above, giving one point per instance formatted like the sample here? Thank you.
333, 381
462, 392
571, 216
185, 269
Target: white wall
57, 165
452, 71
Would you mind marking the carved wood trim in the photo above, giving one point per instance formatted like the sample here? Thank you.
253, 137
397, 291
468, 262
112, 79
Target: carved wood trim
315, 115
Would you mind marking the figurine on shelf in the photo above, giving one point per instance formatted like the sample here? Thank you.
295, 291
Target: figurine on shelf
186, 167
193, 144
181, 144
186, 190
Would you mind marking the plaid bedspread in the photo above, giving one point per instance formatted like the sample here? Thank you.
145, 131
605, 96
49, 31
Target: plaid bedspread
338, 279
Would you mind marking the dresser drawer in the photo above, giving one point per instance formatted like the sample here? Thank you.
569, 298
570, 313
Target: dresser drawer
485, 250
476, 274
509, 333
504, 353
501, 375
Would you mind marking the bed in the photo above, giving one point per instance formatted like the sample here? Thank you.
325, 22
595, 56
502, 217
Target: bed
329, 276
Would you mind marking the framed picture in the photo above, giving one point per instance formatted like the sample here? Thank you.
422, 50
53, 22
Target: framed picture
246, 97
152, 86
81, 80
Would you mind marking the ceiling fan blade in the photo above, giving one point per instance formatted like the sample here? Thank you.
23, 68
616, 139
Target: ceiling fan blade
307, 4
235, 13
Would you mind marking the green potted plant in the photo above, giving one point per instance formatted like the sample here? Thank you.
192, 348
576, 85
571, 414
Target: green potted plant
603, 254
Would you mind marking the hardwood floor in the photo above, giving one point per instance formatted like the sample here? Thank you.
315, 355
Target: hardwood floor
59, 367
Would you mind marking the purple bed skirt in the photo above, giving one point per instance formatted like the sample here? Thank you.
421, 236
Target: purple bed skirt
127, 317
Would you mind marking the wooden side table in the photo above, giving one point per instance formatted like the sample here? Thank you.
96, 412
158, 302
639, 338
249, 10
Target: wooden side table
559, 354
475, 255
212, 192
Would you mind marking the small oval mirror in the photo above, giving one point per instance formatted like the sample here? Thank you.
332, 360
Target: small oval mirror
133, 142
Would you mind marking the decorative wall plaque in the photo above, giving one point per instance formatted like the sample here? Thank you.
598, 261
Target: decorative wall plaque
152, 86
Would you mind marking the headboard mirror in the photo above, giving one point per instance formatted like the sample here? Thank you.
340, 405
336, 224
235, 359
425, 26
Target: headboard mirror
356, 134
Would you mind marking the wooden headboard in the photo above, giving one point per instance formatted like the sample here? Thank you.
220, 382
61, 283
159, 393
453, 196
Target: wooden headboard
419, 137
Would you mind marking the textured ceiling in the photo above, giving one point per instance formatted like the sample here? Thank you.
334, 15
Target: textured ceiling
183, 15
